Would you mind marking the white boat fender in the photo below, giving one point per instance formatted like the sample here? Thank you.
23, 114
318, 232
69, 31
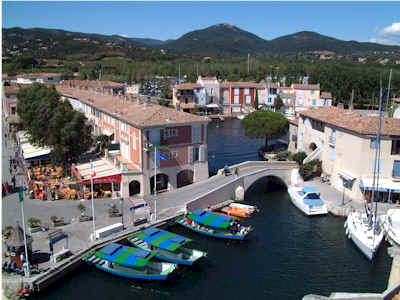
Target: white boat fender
347, 231
345, 224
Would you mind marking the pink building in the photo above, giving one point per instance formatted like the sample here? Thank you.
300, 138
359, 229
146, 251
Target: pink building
137, 127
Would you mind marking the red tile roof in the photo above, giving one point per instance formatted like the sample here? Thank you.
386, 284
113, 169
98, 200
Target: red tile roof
188, 86
353, 121
138, 115
246, 84
305, 86
326, 95
92, 83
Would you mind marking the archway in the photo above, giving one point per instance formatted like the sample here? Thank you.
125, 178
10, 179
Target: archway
312, 146
162, 183
184, 177
134, 187
266, 184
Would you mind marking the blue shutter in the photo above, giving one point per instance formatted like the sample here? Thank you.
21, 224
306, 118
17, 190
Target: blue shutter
373, 144
332, 153
396, 168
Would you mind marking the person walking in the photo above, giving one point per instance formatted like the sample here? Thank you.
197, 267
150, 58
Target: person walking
6, 188
13, 181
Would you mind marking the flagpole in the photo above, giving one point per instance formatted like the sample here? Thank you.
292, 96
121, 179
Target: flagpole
91, 188
21, 198
155, 182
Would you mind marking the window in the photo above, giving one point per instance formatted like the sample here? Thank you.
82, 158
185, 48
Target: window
248, 99
196, 154
332, 153
170, 132
123, 126
373, 144
236, 92
246, 91
196, 134
13, 110
314, 101
396, 168
395, 146
269, 100
236, 100
174, 155
312, 92
317, 125
134, 141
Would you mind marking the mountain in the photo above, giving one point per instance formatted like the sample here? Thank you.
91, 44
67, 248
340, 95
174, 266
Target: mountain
218, 39
305, 41
147, 42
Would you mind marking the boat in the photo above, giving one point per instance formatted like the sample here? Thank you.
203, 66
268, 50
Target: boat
391, 226
308, 200
361, 230
240, 117
215, 225
236, 212
169, 246
365, 229
249, 208
129, 262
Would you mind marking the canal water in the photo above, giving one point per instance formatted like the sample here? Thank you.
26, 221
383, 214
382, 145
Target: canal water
287, 256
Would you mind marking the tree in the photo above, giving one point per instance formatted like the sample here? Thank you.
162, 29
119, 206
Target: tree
53, 123
266, 124
256, 100
278, 103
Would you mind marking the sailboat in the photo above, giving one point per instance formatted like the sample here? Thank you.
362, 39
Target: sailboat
365, 229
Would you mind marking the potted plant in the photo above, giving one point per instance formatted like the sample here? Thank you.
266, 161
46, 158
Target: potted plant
113, 211
34, 225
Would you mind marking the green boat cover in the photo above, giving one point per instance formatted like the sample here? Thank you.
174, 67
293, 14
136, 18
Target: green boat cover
162, 239
125, 256
208, 218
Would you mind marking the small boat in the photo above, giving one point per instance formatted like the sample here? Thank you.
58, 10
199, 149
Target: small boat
129, 262
308, 200
224, 214
364, 233
391, 225
240, 117
236, 212
251, 209
215, 225
169, 246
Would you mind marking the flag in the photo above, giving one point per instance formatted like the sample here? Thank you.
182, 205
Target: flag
162, 156
21, 194
93, 172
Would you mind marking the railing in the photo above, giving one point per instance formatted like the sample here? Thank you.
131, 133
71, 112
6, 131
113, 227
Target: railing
313, 155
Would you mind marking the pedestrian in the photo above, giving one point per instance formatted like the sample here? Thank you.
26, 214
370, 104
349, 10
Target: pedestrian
6, 188
10, 170
13, 181
237, 171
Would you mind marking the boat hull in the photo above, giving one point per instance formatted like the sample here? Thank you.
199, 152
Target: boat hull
133, 276
392, 234
357, 231
215, 235
321, 210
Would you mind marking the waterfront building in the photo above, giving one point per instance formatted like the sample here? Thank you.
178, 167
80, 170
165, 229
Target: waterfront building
132, 89
38, 77
345, 142
234, 98
9, 105
137, 127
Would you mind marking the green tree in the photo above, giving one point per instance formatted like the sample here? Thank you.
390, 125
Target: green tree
266, 124
256, 100
54, 123
278, 103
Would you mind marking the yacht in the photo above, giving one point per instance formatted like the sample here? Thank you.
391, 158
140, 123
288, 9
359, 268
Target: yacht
391, 226
308, 200
365, 234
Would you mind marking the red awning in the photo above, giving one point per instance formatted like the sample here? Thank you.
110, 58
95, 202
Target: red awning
104, 179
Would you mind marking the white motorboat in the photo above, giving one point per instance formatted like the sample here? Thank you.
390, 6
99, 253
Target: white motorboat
308, 200
391, 225
240, 117
364, 233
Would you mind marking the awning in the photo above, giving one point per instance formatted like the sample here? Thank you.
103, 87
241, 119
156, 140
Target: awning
346, 176
213, 105
105, 172
30, 152
384, 185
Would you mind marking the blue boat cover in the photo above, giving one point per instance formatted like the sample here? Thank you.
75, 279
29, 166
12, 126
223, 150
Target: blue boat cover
111, 248
125, 256
308, 189
162, 239
313, 202
211, 219
150, 230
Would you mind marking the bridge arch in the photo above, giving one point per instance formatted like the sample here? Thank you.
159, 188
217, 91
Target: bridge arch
184, 177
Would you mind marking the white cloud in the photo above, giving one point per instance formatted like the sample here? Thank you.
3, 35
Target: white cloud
389, 35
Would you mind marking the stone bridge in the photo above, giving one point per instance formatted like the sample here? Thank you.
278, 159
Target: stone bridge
220, 188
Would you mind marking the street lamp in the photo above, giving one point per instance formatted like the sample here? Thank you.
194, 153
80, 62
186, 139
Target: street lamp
121, 200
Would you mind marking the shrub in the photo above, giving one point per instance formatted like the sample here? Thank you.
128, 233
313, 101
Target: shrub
81, 208
33, 222
299, 157
53, 219
284, 155
310, 169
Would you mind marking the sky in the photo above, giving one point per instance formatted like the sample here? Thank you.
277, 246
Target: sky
360, 21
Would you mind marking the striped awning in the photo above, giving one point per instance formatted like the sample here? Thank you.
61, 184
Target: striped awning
384, 185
